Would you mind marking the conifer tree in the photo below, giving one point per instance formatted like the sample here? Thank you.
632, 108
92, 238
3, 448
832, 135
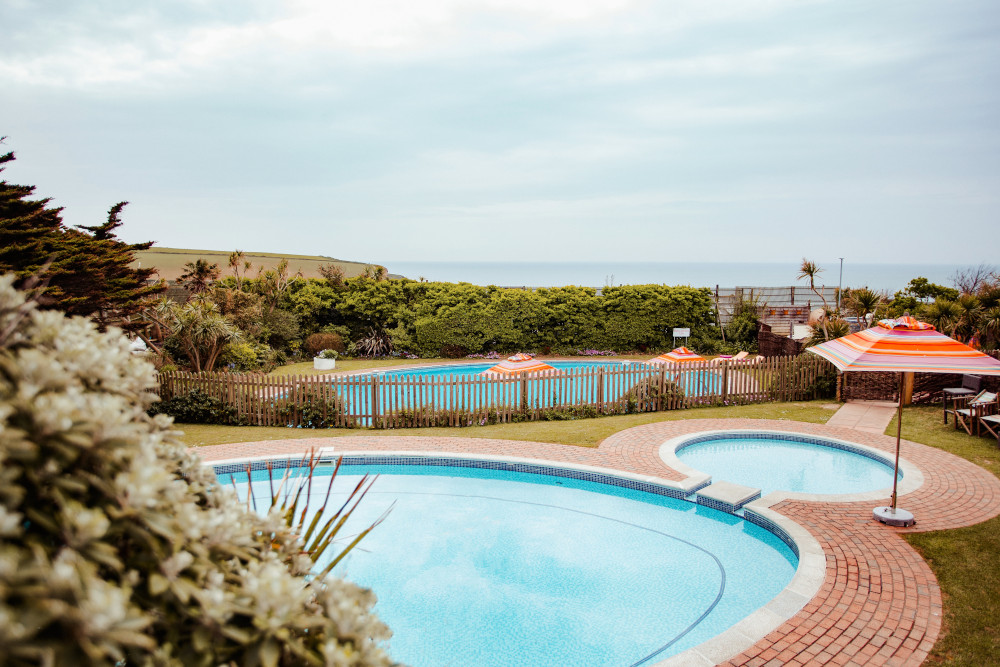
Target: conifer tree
85, 271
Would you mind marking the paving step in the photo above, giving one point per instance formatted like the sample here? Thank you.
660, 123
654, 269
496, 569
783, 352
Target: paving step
726, 496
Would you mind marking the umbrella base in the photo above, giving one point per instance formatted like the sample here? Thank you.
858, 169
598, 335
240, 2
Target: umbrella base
893, 517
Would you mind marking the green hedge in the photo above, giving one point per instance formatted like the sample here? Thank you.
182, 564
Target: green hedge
425, 317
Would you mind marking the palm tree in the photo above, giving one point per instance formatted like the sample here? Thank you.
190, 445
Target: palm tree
990, 329
160, 319
970, 311
202, 332
241, 267
811, 271
199, 275
943, 314
863, 301
826, 330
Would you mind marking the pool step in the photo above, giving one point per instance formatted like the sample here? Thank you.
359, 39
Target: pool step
726, 496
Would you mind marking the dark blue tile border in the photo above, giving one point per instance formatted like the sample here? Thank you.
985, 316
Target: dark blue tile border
455, 462
770, 526
723, 506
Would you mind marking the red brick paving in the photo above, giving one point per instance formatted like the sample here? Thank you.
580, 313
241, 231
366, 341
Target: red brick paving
879, 604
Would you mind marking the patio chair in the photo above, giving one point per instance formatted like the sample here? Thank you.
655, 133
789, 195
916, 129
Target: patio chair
969, 417
971, 385
992, 424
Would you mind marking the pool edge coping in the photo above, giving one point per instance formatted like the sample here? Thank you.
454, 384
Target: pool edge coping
913, 477
686, 486
804, 585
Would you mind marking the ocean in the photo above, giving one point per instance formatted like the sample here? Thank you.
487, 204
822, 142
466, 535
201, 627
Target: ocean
883, 277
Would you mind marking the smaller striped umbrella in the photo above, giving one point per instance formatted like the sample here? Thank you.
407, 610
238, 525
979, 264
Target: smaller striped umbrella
903, 345
517, 364
676, 355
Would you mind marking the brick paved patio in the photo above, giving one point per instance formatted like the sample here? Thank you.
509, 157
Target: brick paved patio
879, 604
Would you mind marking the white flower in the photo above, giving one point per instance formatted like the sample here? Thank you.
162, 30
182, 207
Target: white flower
10, 522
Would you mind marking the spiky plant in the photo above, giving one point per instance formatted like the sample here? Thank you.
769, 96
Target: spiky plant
319, 530
377, 343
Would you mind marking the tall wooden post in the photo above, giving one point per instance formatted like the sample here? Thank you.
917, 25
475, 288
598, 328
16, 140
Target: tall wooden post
906, 389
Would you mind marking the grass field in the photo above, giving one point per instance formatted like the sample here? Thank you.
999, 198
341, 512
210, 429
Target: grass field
966, 561
169, 262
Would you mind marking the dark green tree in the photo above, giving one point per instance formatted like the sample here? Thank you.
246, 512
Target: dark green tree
86, 271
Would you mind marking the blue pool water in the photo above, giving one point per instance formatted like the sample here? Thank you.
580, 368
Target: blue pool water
495, 568
571, 382
784, 464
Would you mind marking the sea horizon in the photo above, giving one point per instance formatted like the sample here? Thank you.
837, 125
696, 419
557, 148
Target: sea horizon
882, 277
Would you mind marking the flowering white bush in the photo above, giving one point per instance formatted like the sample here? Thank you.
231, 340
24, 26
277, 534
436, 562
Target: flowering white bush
117, 545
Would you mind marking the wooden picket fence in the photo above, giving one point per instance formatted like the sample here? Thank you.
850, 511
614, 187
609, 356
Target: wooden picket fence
396, 400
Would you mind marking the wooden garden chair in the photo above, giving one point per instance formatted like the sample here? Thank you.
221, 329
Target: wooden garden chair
971, 385
992, 424
969, 417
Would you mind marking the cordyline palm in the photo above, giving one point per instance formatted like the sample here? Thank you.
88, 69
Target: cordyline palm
990, 328
970, 311
828, 330
811, 271
202, 332
943, 314
160, 318
864, 301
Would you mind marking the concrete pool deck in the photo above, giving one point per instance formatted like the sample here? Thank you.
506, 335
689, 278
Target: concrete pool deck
879, 603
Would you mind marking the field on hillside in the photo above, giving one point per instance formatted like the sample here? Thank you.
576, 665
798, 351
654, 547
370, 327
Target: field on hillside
170, 262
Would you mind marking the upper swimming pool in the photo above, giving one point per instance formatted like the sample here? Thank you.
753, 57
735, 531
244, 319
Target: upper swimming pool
462, 387
515, 564
787, 462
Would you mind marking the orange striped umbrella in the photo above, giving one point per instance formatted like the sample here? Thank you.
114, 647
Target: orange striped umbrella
519, 363
903, 345
676, 355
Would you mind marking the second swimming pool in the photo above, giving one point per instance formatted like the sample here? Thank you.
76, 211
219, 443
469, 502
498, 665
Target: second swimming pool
787, 462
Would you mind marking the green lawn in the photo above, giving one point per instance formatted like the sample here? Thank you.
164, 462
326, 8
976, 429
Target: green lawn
966, 561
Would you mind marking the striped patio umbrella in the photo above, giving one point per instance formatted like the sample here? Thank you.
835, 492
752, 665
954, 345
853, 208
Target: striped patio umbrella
903, 345
676, 355
519, 363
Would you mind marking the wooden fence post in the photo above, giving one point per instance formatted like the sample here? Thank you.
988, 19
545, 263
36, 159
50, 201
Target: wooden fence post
374, 402
724, 385
600, 390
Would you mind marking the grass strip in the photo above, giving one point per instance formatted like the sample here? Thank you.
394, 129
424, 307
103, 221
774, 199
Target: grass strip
578, 432
966, 561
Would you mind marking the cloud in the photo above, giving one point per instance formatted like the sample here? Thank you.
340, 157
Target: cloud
440, 121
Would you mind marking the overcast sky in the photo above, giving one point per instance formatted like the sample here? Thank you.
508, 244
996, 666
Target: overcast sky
427, 130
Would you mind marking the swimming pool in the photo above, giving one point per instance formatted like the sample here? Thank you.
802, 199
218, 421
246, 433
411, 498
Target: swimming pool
513, 564
787, 462
462, 387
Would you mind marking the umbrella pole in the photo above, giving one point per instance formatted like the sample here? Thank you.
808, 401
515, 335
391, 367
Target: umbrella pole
891, 515
899, 430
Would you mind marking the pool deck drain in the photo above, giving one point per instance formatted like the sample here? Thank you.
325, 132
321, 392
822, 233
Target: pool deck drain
879, 603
